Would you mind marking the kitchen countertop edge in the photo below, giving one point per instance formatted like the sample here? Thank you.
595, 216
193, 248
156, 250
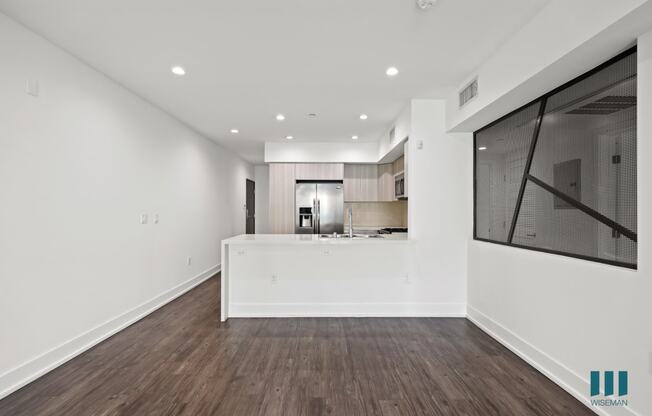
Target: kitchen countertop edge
312, 239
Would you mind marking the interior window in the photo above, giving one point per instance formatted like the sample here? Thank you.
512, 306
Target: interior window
559, 175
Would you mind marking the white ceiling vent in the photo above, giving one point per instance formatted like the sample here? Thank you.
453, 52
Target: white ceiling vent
469, 92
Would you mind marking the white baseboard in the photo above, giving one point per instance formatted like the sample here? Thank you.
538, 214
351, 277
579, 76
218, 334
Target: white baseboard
24, 374
314, 310
561, 375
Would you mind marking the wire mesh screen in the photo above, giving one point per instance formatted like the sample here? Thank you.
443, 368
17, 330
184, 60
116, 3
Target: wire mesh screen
568, 231
587, 143
585, 155
501, 154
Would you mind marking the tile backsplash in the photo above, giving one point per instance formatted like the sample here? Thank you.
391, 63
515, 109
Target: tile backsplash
377, 214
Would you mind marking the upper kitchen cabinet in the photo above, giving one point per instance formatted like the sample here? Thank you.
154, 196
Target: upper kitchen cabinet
319, 171
386, 182
399, 165
406, 158
360, 183
369, 183
351, 182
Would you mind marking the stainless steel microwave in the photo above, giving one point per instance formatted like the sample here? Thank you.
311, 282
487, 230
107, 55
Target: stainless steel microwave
399, 186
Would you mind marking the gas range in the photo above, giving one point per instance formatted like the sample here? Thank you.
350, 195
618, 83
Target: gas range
392, 230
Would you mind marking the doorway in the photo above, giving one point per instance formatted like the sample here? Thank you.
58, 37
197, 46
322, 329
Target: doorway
250, 207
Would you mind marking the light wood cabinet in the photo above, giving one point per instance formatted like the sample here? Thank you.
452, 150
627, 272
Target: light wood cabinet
405, 158
399, 164
360, 183
369, 183
386, 182
320, 171
351, 182
282, 179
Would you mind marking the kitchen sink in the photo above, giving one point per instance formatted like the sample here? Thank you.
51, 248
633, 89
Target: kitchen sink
347, 236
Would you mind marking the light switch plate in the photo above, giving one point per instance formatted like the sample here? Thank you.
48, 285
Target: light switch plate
32, 87
143, 218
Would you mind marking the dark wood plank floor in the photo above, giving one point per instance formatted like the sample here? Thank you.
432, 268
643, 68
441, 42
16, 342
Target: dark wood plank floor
181, 361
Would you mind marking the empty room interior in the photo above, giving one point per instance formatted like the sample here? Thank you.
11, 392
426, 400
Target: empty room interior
344, 207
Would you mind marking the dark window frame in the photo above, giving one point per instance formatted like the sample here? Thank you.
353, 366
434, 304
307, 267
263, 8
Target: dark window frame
529, 178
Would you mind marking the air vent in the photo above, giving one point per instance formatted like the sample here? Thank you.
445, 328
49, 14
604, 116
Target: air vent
606, 105
392, 133
469, 92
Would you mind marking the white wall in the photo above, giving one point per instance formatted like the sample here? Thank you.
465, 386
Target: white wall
440, 201
564, 40
318, 152
262, 199
570, 316
402, 127
78, 165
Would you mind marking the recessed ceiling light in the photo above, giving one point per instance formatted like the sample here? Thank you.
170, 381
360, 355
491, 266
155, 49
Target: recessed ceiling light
235, 131
482, 148
363, 117
280, 117
426, 4
392, 71
177, 70
354, 137
289, 137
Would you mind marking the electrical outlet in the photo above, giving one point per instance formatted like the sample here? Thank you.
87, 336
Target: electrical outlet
406, 279
274, 279
143, 218
241, 252
327, 252
189, 261
155, 218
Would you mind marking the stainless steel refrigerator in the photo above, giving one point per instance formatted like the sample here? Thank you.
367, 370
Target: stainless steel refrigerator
319, 208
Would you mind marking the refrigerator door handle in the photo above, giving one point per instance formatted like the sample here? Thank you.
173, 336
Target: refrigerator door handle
318, 216
314, 216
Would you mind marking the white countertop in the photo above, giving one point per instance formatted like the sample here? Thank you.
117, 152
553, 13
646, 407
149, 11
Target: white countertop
313, 239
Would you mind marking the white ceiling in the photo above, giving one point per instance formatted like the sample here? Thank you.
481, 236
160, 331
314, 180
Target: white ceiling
247, 60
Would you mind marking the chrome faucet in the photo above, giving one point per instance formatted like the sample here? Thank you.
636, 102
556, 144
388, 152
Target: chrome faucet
351, 222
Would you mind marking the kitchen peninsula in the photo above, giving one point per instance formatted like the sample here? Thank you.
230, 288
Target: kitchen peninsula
308, 275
